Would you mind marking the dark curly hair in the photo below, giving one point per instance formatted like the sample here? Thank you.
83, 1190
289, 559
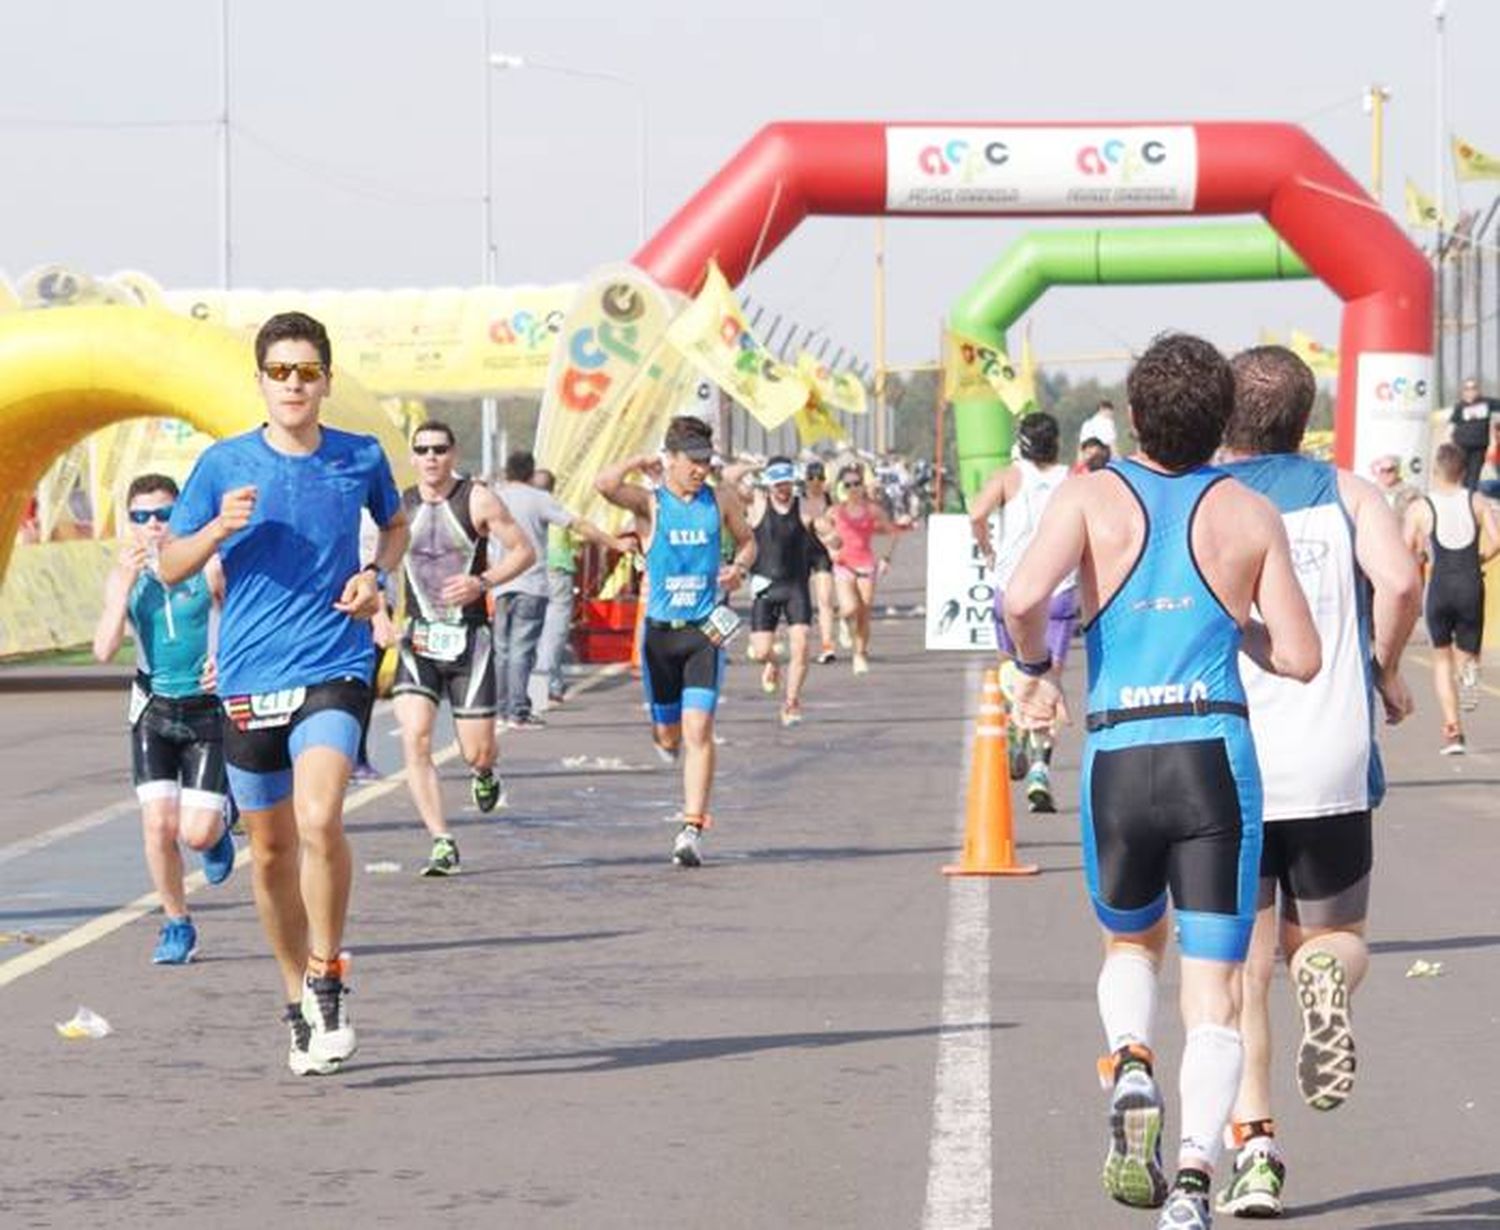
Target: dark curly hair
1273, 397
1181, 394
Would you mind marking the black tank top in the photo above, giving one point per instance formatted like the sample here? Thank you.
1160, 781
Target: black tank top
444, 543
1454, 563
781, 544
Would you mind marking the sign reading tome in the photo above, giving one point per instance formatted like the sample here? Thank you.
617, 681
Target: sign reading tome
960, 586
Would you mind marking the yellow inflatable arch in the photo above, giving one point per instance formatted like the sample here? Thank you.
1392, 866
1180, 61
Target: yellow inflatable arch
66, 372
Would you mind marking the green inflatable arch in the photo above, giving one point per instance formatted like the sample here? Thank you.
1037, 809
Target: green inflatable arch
1117, 256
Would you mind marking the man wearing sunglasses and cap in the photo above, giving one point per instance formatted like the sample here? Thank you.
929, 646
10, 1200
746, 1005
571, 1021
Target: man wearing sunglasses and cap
446, 648
779, 583
680, 522
280, 506
176, 729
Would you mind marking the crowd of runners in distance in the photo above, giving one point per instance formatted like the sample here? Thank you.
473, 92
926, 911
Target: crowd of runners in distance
1215, 656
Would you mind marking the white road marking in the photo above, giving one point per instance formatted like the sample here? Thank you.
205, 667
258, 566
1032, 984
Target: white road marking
40, 841
959, 1178
107, 924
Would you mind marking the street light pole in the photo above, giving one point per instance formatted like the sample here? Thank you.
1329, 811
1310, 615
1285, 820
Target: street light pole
487, 408
1440, 166
226, 265
503, 61
1376, 96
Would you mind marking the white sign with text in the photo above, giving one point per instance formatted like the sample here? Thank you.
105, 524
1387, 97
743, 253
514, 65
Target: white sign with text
960, 586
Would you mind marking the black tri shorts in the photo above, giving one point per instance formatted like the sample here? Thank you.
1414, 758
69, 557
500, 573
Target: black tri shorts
781, 600
178, 744
1455, 612
1321, 865
681, 669
467, 680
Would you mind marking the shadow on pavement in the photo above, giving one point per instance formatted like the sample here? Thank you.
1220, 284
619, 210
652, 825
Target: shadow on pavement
645, 1054
1478, 1213
485, 941
1447, 943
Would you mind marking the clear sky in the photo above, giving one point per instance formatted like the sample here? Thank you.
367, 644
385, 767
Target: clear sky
359, 132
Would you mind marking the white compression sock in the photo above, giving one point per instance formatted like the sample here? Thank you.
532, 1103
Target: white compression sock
1210, 1077
1127, 998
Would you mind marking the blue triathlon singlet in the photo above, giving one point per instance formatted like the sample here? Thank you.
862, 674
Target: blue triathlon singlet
171, 633
682, 563
1164, 639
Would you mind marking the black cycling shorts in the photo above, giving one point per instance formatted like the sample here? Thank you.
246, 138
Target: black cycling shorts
178, 746
1322, 866
468, 681
270, 748
818, 559
681, 669
781, 600
1455, 612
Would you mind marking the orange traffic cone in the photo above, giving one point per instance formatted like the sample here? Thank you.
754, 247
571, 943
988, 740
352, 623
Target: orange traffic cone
989, 836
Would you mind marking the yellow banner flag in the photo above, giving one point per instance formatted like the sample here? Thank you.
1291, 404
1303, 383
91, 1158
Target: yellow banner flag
1470, 163
1027, 382
1422, 210
815, 422
974, 371
712, 335
1322, 360
587, 420
842, 391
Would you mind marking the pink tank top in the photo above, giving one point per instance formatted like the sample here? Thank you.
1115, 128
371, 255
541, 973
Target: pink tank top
855, 530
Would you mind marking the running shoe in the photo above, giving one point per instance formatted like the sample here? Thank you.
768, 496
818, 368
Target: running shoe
687, 849
364, 771
528, 721
332, 1039
176, 942
218, 859
1185, 1210
1468, 686
443, 861
1325, 1060
791, 713
1255, 1189
770, 678
1039, 789
667, 755
1133, 1172
861, 664
488, 790
846, 639
827, 655
1453, 742
298, 1058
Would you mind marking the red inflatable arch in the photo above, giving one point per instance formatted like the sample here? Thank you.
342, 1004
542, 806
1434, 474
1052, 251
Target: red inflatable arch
791, 170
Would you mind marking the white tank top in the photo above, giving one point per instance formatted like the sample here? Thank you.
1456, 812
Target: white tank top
1021, 514
1315, 741
1453, 518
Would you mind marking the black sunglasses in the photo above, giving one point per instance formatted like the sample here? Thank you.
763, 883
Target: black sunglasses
432, 450
144, 516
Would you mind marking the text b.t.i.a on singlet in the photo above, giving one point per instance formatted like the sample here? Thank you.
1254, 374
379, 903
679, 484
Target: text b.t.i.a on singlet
682, 561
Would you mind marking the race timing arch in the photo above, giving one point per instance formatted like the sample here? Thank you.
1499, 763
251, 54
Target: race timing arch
1107, 256
792, 170
66, 372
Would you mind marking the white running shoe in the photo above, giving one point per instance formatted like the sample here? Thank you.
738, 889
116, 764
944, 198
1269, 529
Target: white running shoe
861, 664
1185, 1210
332, 1039
687, 849
846, 640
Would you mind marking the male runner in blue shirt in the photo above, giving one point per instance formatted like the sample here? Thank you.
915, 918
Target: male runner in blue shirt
280, 505
679, 521
1171, 555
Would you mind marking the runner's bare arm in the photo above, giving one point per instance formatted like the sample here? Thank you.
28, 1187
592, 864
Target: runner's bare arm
1417, 527
994, 494
180, 558
1284, 641
492, 517
733, 512
360, 598
1383, 556
590, 532
109, 632
612, 486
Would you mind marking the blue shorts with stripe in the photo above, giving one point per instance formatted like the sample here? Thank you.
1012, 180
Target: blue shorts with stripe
681, 669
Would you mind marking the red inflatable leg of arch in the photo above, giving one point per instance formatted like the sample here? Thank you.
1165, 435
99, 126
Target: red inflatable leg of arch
789, 171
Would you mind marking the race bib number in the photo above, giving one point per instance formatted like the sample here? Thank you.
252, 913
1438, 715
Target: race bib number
721, 625
759, 584
264, 710
440, 642
139, 699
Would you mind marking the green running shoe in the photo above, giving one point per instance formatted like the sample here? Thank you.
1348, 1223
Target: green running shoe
1325, 1060
443, 861
1255, 1189
488, 790
1039, 789
1133, 1172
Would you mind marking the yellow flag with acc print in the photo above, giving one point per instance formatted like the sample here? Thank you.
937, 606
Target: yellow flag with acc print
1471, 163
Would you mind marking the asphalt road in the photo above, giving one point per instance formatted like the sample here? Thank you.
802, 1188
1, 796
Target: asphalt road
814, 1030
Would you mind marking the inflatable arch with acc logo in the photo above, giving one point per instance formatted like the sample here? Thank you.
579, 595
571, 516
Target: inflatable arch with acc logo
66, 372
790, 171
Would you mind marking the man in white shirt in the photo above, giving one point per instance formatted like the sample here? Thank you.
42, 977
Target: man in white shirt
1100, 426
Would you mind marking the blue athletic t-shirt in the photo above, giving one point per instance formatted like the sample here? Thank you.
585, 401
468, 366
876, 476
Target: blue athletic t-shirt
285, 570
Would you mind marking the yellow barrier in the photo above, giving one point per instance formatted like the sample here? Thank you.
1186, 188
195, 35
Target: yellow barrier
52, 595
66, 372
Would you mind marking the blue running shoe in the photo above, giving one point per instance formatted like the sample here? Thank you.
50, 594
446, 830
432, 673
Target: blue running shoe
218, 859
177, 942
